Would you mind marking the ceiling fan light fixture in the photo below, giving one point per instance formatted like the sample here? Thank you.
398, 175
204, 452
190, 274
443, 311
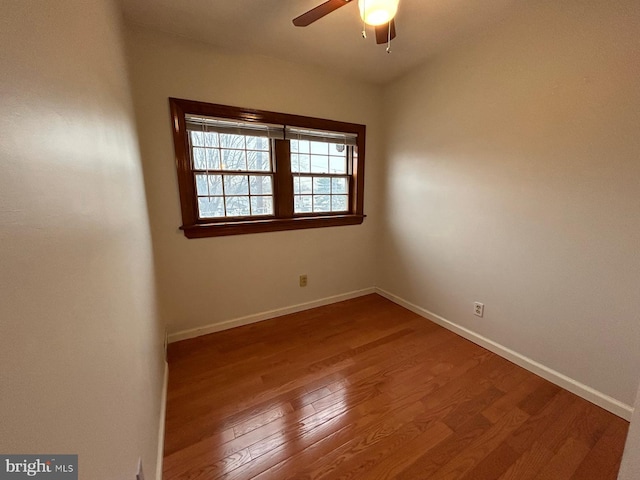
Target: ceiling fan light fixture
377, 12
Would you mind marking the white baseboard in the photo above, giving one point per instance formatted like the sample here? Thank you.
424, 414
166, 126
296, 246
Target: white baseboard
594, 396
258, 317
161, 427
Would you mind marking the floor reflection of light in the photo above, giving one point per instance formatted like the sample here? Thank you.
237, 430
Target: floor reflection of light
330, 409
312, 420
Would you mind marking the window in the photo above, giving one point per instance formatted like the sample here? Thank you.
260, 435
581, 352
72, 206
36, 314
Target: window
232, 167
248, 171
320, 164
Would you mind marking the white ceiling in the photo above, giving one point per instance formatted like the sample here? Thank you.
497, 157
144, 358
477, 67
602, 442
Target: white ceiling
264, 27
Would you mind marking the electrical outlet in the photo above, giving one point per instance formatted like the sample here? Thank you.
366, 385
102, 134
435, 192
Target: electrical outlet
303, 280
478, 309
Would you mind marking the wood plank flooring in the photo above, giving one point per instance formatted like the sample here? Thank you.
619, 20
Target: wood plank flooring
365, 389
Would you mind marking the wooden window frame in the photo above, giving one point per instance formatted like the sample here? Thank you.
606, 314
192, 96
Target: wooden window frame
284, 217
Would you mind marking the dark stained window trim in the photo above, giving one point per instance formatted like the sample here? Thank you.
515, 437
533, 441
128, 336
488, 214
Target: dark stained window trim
193, 227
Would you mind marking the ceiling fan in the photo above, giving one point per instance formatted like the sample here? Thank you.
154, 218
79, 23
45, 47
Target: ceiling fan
378, 13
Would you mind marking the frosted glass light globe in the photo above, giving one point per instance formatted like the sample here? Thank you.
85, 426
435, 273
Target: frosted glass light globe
377, 12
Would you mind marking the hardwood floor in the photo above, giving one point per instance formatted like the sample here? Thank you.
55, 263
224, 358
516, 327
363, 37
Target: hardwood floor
365, 389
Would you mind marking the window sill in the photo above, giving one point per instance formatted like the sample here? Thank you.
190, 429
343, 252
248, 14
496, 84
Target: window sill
203, 230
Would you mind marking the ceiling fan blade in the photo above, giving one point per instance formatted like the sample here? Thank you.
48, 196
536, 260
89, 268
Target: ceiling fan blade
382, 32
317, 13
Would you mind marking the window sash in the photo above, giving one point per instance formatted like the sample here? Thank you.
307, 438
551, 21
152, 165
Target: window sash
338, 198
222, 192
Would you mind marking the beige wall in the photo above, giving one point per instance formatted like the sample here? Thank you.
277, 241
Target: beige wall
208, 281
81, 364
513, 179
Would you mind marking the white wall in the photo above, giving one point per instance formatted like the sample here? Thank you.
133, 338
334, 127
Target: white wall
513, 179
212, 280
81, 364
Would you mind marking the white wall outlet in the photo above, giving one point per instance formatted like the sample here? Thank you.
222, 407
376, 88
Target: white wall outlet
303, 280
478, 309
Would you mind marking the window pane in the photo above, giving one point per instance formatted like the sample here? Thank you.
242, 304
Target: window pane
213, 158
258, 161
199, 159
236, 185
210, 207
322, 203
321, 185
237, 206
214, 187
261, 206
211, 139
299, 146
197, 139
215, 184
260, 185
339, 185
234, 160
304, 185
339, 203
206, 158
302, 204
319, 164
305, 166
319, 148
232, 141
338, 150
337, 165
295, 163
257, 143
201, 185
